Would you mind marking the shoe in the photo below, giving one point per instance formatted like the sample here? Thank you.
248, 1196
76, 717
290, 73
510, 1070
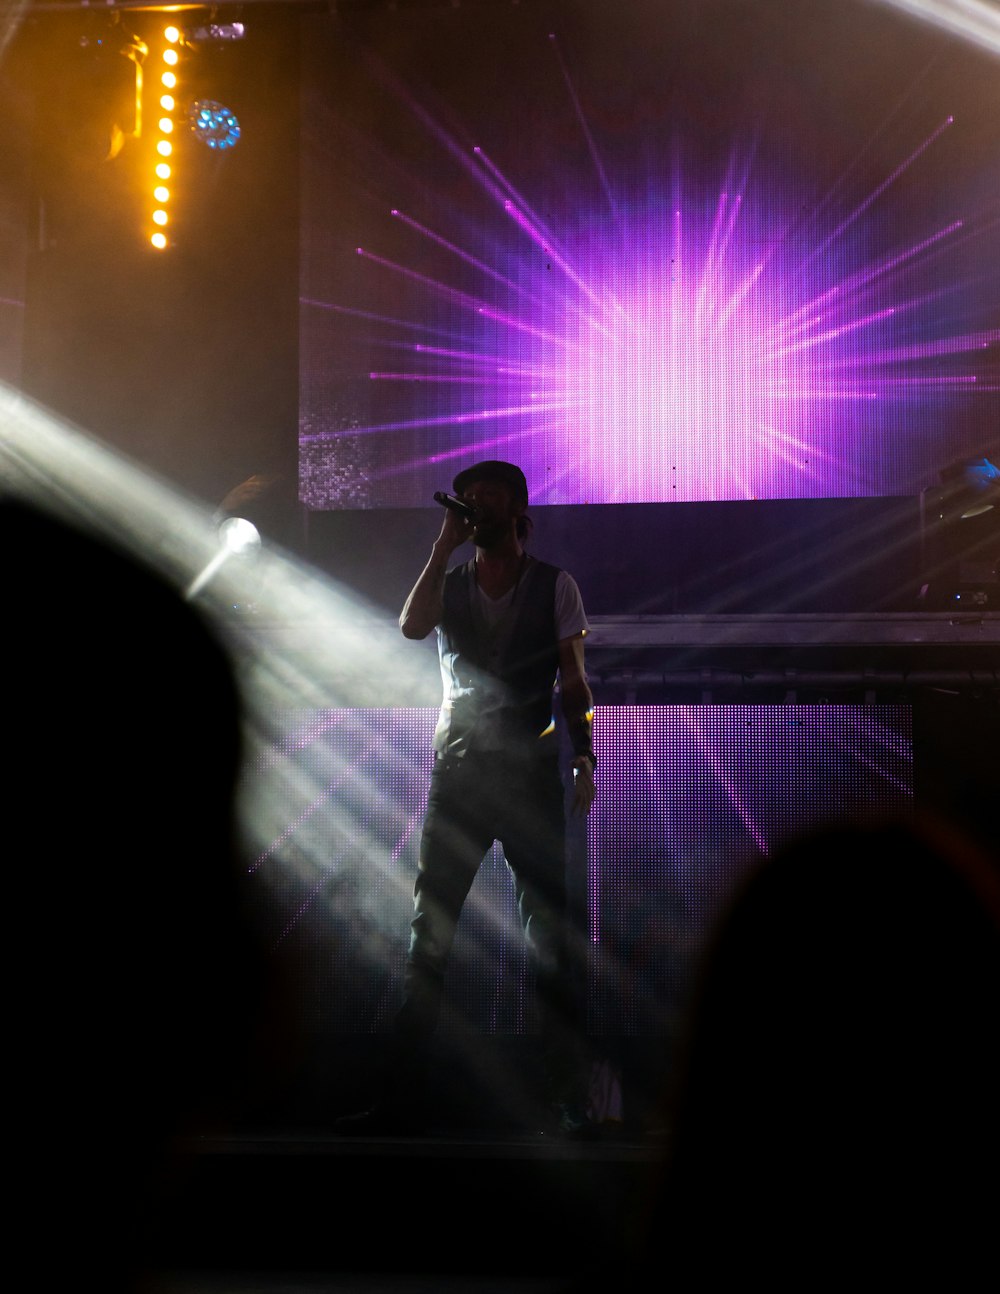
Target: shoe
573, 1122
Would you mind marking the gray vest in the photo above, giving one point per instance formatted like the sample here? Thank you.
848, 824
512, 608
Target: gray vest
498, 682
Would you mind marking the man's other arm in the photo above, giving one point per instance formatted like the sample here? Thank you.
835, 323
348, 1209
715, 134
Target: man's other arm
578, 710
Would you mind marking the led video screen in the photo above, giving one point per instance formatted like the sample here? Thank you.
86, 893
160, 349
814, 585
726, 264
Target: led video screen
651, 251
688, 797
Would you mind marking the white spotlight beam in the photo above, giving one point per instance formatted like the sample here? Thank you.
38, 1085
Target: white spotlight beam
977, 21
308, 646
14, 15
72, 475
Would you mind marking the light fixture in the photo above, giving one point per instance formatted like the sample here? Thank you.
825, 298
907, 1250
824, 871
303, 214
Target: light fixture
108, 60
169, 50
960, 536
970, 487
982, 478
215, 125
238, 539
239, 536
215, 33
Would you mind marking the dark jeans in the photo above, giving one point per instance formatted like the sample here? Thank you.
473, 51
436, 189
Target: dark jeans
520, 802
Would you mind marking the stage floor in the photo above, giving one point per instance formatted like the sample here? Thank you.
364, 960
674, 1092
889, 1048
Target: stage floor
353, 1283
480, 1212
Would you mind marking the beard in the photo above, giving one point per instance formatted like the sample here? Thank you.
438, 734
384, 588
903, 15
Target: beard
490, 531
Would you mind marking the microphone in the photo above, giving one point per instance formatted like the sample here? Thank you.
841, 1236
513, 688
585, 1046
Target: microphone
454, 504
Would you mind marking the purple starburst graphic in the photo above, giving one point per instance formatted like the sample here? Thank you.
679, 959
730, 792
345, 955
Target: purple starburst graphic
663, 340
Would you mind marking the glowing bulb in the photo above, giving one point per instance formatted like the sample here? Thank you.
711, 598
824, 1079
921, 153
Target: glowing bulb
167, 102
159, 217
164, 148
166, 125
163, 170
172, 34
159, 240
161, 193
169, 79
170, 56
239, 535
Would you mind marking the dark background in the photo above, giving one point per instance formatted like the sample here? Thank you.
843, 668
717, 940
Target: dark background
190, 363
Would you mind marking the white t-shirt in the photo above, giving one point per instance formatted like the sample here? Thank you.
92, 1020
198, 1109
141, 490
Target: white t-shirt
571, 619
499, 619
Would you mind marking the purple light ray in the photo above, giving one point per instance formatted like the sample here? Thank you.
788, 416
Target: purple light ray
470, 358
584, 125
455, 419
947, 346
858, 749
692, 717
455, 295
673, 355
517, 201
363, 744
687, 799
854, 287
458, 297
319, 800
483, 447
411, 325
881, 189
537, 236
457, 251
454, 378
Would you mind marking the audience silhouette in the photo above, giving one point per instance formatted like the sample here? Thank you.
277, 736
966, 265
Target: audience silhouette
145, 1001
836, 1112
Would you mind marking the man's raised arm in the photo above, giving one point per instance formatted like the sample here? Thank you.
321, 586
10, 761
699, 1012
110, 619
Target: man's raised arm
423, 608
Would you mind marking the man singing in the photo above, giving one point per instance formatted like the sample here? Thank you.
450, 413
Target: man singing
507, 624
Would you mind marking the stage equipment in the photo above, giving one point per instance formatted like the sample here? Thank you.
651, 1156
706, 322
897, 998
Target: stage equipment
981, 485
87, 114
166, 105
960, 534
215, 125
238, 538
120, 88
215, 33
